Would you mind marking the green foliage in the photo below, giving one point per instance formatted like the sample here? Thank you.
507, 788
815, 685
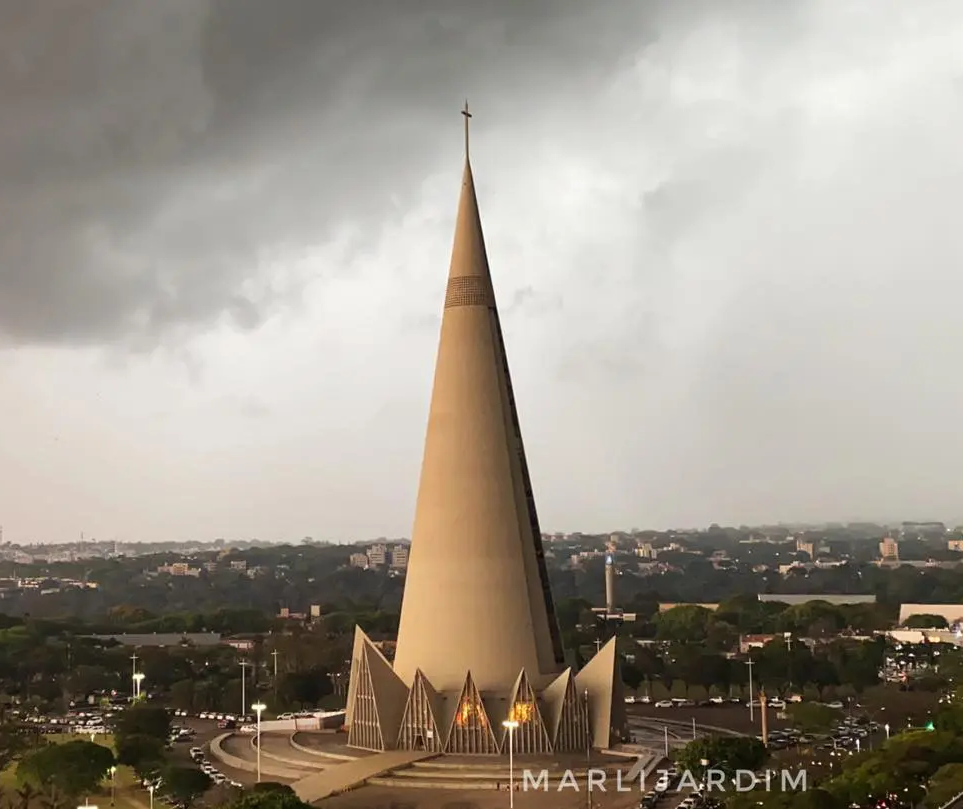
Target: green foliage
75, 767
269, 799
946, 783
811, 717
185, 784
144, 720
145, 754
304, 689
904, 765
726, 753
925, 620
273, 786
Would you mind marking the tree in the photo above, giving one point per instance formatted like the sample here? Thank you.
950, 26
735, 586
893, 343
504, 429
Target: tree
305, 688
13, 744
145, 720
946, 783
185, 784
273, 786
688, 623
925, 620
811, 717
726, 753
75, 767
145, 754
269, 799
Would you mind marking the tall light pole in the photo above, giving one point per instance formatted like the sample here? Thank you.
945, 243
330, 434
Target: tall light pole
274, 682
138, 679
244, 666
666, 729
113, 784
258, 708
750, 664
511, 725
150, 790
133, 677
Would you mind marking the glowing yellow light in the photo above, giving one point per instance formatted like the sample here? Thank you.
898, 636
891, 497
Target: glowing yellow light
522, 712
470, 709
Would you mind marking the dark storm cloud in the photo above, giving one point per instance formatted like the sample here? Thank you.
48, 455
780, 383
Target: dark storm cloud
163, 165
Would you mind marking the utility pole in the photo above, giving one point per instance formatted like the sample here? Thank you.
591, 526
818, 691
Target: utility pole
244, 666
750, 664
274, 654
133, 677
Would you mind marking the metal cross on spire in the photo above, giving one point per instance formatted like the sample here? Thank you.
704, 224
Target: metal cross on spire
467, 115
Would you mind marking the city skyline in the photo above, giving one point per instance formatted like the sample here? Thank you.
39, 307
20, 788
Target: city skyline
722, 233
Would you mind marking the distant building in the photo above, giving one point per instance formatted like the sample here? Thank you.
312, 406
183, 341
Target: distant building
889, 550
747, 642
806, 598
239, 564
358, 560
646, 550
378, 555
179, 569
955, 545
807, 547
162, 638
399, 557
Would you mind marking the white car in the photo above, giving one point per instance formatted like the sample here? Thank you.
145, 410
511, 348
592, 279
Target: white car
778, 704
665, 703
248, 728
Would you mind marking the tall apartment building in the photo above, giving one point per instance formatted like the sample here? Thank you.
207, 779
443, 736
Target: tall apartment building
358, 560
378, 555
399, 557
889, 550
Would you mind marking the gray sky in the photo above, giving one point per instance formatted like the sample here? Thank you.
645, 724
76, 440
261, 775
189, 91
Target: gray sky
725, 238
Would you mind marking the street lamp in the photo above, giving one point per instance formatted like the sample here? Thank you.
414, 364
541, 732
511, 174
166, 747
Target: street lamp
113, 784
138, 679
258, 708
150, 789
511, 725
886, 728
87, 805
244, 666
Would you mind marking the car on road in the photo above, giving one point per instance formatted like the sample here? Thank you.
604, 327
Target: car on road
664, 703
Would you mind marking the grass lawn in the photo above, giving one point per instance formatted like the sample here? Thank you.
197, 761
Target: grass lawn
128, 794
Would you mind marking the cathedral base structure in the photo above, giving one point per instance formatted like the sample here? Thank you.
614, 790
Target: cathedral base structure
572, 714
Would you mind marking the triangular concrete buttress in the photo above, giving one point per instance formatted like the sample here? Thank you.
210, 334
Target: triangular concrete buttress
471, 731
365, 729
601, 680
420, 726
567, 720
391, 694
530, 736
356, 649
376, 698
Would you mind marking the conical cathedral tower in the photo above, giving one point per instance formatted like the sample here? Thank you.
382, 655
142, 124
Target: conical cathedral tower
478, 638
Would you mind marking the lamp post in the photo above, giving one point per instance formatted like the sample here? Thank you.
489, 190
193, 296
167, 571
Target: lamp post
138, 680
258, 707
113, 784
87, 804
150, 790
886, 728
244, 665
511, 725
749, 665
133, 677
